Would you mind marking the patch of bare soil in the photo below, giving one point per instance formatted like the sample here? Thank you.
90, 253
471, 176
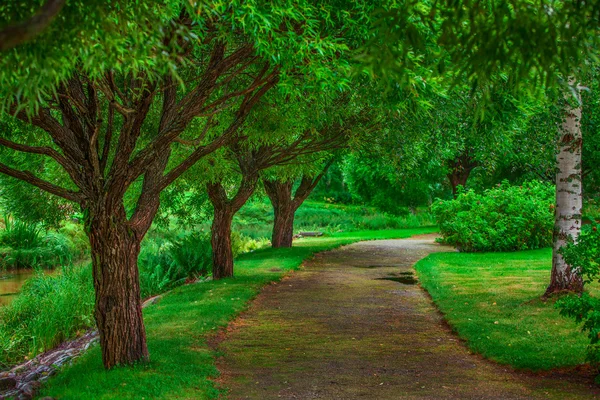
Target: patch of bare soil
353, 324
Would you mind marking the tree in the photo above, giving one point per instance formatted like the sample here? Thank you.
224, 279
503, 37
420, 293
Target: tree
569, 200
286, 201
114, 124
248, 162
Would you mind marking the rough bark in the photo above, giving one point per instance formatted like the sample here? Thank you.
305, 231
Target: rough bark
285, 205
224, 210
118, 312
568, 201
280, 194
221, 241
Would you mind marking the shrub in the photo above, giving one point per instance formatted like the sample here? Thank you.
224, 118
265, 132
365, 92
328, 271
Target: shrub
585, 256
505, 218
49, 310
167, 262
241, 243
27, 245
78, 241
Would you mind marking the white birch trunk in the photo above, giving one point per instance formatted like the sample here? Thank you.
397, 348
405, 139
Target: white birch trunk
568, 199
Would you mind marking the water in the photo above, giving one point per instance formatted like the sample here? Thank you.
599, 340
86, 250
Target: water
11, 282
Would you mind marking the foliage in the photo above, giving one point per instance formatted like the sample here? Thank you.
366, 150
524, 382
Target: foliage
50, 309
27, 245
585, 257
169, 259
180, 325
255, 219
505, 218
591, 210
492, 301
332, 188
484, 39
168, 262
373, 180
30, 204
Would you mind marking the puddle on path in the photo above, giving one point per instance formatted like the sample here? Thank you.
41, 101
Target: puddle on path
405, 278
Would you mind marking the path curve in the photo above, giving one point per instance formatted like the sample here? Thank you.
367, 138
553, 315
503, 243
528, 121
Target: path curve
340, 329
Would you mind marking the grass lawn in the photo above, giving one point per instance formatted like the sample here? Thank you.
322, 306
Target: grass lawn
492, 300
178, 327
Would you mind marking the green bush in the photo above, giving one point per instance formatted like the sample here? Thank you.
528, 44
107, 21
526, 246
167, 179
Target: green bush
27, 245
585, 256
49, 310
78, 240
166, 262
505, 218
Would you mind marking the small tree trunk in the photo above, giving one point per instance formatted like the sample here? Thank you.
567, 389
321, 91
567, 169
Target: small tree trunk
460, 170
280, 194
224, 210
568, 202
221, 242
118, 311
285, 205
458, 178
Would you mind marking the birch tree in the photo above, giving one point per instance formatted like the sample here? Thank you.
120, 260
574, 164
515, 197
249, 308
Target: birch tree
569, 195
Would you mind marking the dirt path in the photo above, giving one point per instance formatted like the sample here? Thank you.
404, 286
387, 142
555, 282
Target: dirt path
340, 329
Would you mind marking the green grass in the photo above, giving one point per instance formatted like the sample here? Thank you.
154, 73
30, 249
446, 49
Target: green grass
178, 327
50, 309
493, 302
255, 219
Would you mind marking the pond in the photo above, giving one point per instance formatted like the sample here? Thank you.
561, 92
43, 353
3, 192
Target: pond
11, 282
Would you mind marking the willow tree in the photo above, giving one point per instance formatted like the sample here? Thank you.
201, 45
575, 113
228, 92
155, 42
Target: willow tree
232, 188
114, 114
287, 191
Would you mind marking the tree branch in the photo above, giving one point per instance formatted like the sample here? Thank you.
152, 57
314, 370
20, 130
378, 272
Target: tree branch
19, 33
29, 177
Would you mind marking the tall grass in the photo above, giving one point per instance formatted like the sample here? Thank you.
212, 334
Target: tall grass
49, 310
27, 245
168, 260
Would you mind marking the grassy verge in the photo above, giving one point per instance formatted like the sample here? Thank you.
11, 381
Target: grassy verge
178, 327
493, 302
255, 219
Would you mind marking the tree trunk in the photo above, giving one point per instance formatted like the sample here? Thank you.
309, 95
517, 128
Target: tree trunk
118, 312
460, 170
568, 202
280, 194
285, 205
221, 242
224, 210
458, 178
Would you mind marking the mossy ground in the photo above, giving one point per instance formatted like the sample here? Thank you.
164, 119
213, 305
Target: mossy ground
182, 364
337, 330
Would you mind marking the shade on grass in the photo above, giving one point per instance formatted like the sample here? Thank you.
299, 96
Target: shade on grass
182, 364
493, 301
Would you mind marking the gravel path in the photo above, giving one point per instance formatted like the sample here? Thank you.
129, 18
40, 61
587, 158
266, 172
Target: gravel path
352, 324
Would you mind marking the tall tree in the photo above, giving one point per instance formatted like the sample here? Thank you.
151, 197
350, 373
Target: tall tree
569, 196
241, 181
115, 123
286, 200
